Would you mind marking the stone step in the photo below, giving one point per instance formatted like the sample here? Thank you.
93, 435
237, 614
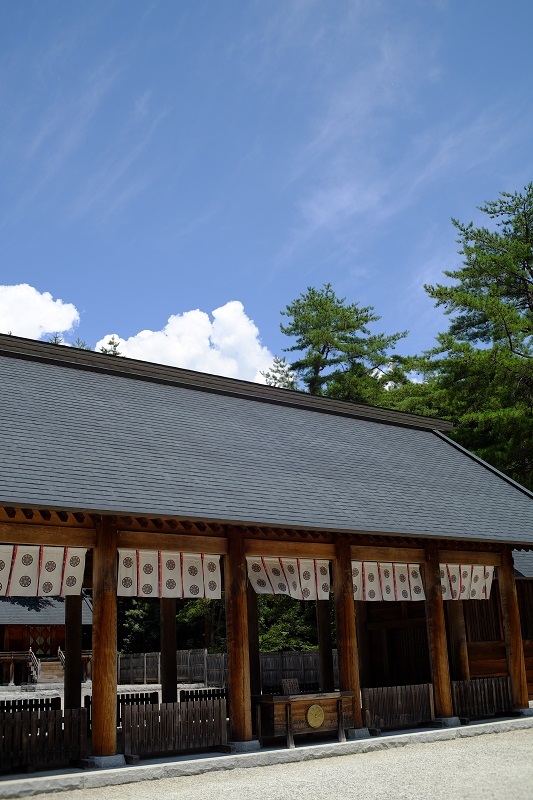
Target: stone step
51, 672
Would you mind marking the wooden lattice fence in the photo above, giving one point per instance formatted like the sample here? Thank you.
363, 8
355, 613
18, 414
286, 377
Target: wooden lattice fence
195, 724
31, 704
482, 697
124, 699
42, 739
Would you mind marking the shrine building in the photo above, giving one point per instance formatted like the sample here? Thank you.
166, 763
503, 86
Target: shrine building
126, 478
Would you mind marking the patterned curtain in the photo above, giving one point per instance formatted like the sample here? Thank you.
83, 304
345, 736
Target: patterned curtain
153, 573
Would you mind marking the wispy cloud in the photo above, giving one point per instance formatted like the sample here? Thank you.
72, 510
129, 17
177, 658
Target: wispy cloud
59, 132
358, 169
110, 187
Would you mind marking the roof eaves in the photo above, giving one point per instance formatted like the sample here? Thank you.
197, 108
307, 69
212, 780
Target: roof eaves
485, 464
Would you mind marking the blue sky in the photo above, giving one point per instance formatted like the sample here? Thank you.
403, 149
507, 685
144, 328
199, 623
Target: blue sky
166, 159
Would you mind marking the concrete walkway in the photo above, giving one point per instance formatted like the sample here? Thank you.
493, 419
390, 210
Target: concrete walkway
164, 769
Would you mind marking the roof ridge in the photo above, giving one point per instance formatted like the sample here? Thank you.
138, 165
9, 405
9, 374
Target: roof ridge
74, 358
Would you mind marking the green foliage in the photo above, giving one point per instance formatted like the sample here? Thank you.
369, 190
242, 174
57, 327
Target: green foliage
199, 623
280, 374
55, 338
138, 625
339, 357
480, 374
285, 624
112, 347
80, 344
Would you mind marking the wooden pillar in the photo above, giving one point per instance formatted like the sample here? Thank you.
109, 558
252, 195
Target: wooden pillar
460, 666
73, 665
363, 643
436, 626
104, 700
512, 631
240, 711
167, 633
345, 619
253, 641
325, 646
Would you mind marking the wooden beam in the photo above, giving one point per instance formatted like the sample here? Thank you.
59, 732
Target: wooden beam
436, 627
169, 668
53, 535
512, 631
325, 646
104, 703
470, 557
140, 540
73, 665
239, 695
345, 619
401, 555
267, 547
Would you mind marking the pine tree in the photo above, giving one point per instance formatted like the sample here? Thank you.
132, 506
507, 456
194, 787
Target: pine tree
280, 374
112, 347
480, 374
339, 355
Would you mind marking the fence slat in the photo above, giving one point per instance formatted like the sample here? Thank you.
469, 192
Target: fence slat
42, 737
482, 697
195, 723
389, 707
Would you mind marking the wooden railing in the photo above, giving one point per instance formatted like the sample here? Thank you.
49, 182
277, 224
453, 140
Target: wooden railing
42, 739
197, 724
482, 697
391, 707
27, 658
35, 666
87, 665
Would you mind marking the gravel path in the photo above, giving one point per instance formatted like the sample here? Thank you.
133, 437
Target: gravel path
481, 768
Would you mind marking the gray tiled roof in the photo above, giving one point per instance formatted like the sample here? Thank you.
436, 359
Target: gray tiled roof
523, 564
40, 611
83, 439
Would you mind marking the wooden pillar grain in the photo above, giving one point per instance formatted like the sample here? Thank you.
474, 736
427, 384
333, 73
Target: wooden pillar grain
512, 630
363, 643
325, 646
436, 627
104, 700
73, 665
240, 711
253, 640
460, 666
346, 631
168, 644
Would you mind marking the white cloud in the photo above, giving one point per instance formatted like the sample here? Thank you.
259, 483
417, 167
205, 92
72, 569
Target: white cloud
24, 311
228, 344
